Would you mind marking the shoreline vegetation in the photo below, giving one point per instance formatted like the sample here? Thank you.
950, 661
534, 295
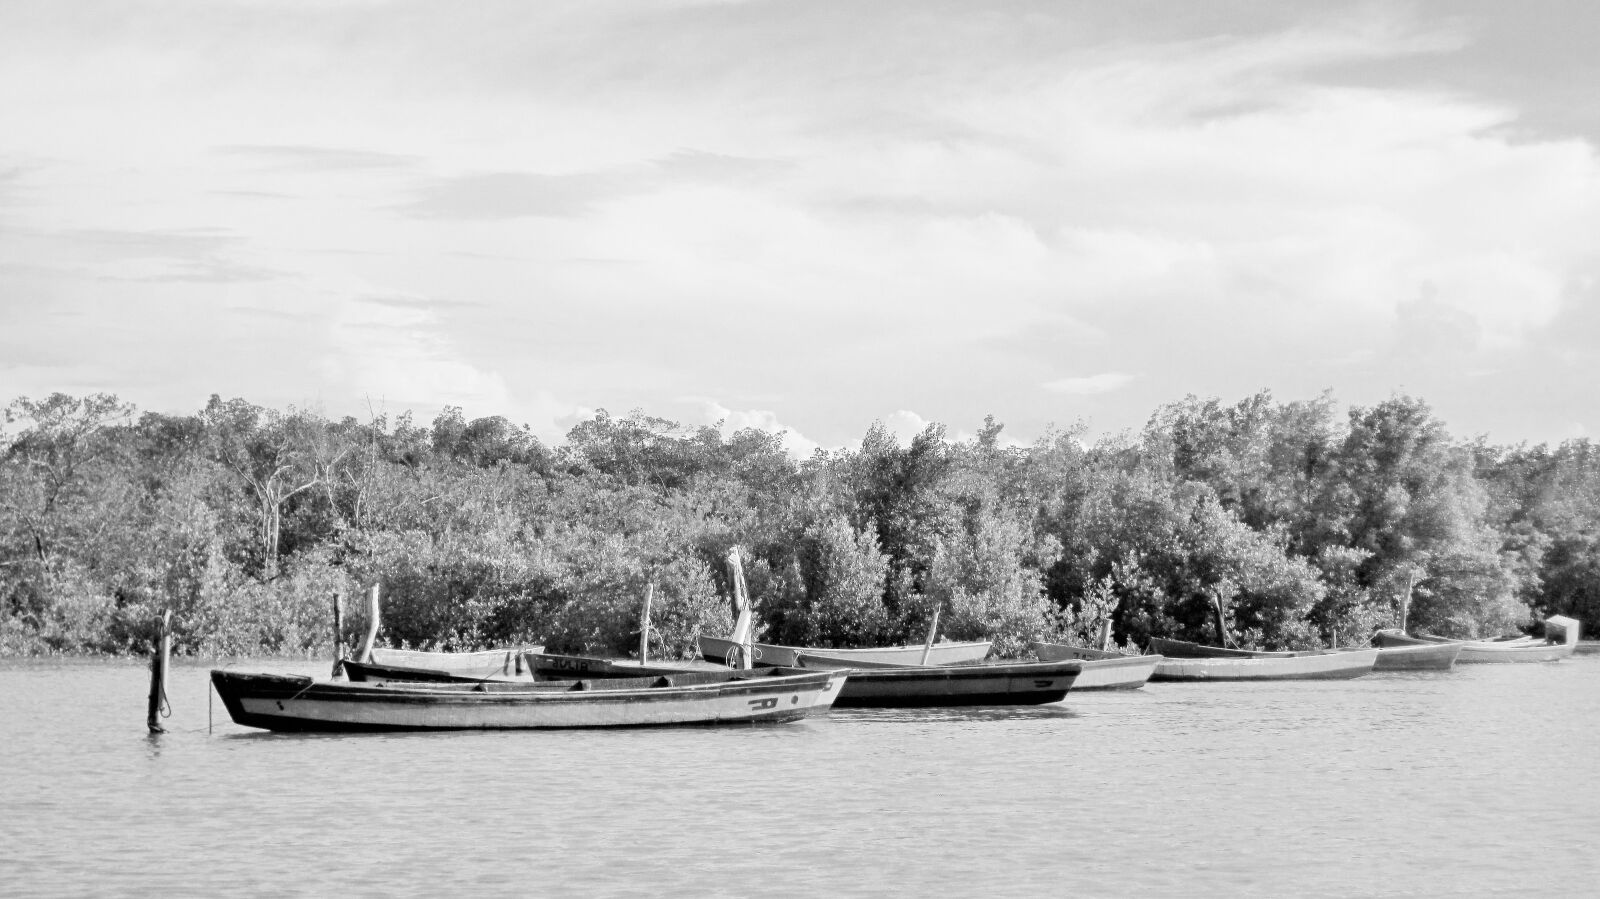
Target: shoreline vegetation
1290, 525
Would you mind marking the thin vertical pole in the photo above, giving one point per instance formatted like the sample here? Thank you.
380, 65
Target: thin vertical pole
644, 623
372, 625
933, 628
338, 632
158, 673
1405, 602
1222, 626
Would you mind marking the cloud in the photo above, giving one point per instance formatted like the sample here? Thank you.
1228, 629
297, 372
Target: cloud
1105, 382
732, 421
510, 195
319, 159
401, 354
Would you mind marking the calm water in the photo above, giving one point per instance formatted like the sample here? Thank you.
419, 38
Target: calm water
1480, 781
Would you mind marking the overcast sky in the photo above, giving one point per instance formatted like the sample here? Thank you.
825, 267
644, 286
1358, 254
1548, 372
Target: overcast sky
804, 215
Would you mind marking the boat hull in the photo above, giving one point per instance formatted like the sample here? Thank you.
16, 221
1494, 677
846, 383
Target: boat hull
276, 702
1426, 657
1311, 666
938, 686
716, 649
1101, 670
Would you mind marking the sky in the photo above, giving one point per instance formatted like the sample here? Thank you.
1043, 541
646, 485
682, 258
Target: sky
805, 216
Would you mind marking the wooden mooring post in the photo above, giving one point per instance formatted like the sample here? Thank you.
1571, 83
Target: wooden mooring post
158, 707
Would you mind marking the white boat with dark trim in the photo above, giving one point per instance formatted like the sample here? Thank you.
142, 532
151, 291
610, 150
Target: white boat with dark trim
1101, 670
1328, 665
278, 702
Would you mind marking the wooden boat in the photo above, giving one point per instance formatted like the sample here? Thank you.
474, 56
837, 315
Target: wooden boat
716, 649
1326, 665
1587, 648
277, 702
891, 685
1101, 670
1562, 643
1424, 657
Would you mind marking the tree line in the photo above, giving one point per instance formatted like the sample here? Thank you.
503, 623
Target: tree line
1295, 525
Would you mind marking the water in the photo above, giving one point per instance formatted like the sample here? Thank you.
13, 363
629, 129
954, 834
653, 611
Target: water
1480, 781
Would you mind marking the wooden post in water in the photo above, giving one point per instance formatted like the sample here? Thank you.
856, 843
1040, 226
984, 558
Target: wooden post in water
933, 628
644, 624
372, 626
338, 632
158, 673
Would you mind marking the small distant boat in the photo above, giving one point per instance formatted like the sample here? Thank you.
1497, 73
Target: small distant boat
1101, 670
1327, 665
716, 649
890, 685
1587, 648
278, 702
1561, 644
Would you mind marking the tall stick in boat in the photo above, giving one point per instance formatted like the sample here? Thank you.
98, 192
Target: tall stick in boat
644, 624
933, 628
1222, 627
743, 626
372, 626
1405, 601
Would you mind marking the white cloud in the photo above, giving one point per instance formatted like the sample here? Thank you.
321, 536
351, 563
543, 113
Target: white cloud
642, 203
732, 421
1105, 382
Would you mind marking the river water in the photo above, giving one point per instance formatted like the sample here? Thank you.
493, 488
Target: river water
1480, 781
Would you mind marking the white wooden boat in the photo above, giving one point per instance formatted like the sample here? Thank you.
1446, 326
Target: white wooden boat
278, 702
1101, 670
1562, 644
1328, 665
716, 649
890, 685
